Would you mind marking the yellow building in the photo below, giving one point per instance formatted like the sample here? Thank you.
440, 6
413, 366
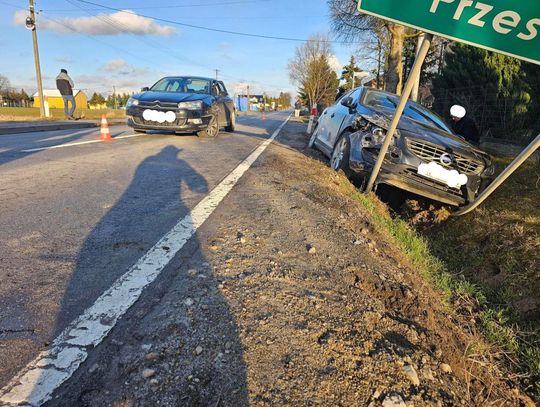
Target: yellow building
55, 99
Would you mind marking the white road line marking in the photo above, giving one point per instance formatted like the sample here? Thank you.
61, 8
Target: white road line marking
79, 143
35, 384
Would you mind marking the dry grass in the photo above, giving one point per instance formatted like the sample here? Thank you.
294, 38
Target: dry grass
497, 250
8, 114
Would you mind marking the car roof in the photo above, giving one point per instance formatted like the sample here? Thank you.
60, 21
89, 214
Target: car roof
188, 76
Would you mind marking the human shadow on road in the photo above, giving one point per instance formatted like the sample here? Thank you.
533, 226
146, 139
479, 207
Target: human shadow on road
177, 327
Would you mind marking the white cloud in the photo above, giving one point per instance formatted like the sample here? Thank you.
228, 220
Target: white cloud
115, 65
122, 22
121, 67
334, 63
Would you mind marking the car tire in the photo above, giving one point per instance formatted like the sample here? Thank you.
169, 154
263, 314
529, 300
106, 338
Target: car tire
341, 154
232, 125
212, 130
313, 138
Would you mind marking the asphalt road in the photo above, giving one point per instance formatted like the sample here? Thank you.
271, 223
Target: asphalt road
73, 218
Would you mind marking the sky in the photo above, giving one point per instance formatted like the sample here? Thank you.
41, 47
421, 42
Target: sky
103, 49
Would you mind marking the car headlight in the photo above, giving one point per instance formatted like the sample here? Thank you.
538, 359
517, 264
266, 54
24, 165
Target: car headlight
378, 135
375, 137
132, 102
197, 105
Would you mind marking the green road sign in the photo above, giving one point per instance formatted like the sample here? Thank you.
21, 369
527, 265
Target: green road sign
509, 27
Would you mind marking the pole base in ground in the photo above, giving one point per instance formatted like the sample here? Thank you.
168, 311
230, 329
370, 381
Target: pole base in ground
310, 124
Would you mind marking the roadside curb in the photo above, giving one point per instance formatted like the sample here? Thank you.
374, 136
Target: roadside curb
55, 126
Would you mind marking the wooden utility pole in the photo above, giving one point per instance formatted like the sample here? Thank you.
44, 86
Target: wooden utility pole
36, 57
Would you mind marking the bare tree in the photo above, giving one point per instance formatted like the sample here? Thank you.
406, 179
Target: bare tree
5, 85
350, 25
374, 47
311, 71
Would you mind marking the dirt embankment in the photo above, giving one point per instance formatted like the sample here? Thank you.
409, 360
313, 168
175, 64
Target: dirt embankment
290, 297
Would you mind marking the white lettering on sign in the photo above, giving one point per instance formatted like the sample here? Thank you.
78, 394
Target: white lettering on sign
484, 10
461, 6
435, 4
533, 32
504, 22
509, 18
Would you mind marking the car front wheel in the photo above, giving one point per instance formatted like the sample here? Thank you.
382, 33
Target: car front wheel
341, 154
212, 130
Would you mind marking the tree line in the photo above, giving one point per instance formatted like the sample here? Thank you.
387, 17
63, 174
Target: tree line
112, 101
11, 96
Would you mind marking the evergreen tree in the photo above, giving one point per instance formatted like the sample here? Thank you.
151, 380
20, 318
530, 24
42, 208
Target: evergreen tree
348, 74
491, 86
97, 99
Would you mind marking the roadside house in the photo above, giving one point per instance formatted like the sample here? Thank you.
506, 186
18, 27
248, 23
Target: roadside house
55, 99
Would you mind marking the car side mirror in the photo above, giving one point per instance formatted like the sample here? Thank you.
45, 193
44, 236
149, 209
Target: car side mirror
349, 102
145, 89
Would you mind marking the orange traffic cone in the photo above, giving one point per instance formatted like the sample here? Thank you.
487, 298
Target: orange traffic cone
105, 132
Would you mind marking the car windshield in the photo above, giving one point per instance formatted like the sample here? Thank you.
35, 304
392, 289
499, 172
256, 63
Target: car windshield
415, 111
182, 85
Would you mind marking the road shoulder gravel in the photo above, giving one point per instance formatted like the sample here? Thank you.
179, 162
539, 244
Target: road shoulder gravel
288, 296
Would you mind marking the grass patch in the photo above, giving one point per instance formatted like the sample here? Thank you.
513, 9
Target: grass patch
32, 113
458, 256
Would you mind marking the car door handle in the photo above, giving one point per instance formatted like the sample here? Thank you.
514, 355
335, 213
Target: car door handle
333, 115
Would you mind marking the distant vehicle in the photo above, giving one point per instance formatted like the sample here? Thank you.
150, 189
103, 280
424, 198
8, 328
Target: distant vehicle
425, 156
183, 104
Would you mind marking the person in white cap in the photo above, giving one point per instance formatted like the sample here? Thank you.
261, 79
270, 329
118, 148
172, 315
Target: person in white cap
463, 125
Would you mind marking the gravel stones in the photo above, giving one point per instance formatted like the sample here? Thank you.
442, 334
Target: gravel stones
411, 374
148, 373
393, 400
445, 368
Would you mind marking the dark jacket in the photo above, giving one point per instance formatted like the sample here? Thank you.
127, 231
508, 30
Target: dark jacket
467, 129
64, 84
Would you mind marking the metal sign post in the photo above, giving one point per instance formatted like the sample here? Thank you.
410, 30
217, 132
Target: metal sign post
413, 77
520, 159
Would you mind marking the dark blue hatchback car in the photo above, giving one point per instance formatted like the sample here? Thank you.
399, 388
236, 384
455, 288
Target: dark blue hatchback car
183, 104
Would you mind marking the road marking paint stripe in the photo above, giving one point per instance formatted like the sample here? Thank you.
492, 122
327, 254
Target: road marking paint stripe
79, 143
35, 384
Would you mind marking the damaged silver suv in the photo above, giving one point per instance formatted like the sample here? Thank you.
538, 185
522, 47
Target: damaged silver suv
425, 156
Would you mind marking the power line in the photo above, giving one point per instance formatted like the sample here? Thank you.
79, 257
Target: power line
13, 5
223, 3
168, 51
243, 34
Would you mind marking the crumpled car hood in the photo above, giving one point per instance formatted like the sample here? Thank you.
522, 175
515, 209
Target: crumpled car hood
411, 128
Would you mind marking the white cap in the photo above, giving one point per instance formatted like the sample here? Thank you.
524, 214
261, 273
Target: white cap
458, 111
